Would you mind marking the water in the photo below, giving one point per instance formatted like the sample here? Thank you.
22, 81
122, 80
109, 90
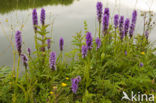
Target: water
67, 19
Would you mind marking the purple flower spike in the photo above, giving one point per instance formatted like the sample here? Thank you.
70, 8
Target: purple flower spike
48, 42
18, 40
105, 24
99, 8
89, 40
121, 25
141, 64
132, 27
52, 60
84, 51
35, 19
29, 51
126, 26
75, 82
61, 43
98, 43
131, 31
134, 17
122, 35
116, 21
25, 60
42, 17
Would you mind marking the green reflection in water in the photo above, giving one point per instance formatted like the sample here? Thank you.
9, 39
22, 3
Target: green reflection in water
11, 5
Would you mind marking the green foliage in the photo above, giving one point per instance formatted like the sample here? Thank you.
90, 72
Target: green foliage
4, 71
5, 81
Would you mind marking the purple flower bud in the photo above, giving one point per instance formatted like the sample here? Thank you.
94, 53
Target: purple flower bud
84, 51
141, 64
42, 17
35, 19
61, 43
89, 40
52, 60
98, 43
42, 49
25, 60
75, 82
126, 53
48, 42
105, 24
106, 12
146, 34
116, 21
29, 51
18, 40
78, 78
99, 8
126, 26
121, 25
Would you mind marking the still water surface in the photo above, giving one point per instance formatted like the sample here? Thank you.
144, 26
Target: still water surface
67, 17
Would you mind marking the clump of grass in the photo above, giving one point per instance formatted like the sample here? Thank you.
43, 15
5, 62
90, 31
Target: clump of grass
101, 68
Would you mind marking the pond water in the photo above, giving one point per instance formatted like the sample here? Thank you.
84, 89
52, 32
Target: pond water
67, 17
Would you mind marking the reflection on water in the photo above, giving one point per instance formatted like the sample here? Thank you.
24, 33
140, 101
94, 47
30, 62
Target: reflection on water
10, 5
68, 20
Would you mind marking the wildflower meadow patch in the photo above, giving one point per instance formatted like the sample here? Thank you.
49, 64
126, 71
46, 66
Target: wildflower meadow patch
110, 66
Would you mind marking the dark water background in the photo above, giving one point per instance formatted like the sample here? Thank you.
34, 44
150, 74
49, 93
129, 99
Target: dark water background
67, 17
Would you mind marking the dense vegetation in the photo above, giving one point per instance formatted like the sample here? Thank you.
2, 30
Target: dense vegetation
11, 5
100, 69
